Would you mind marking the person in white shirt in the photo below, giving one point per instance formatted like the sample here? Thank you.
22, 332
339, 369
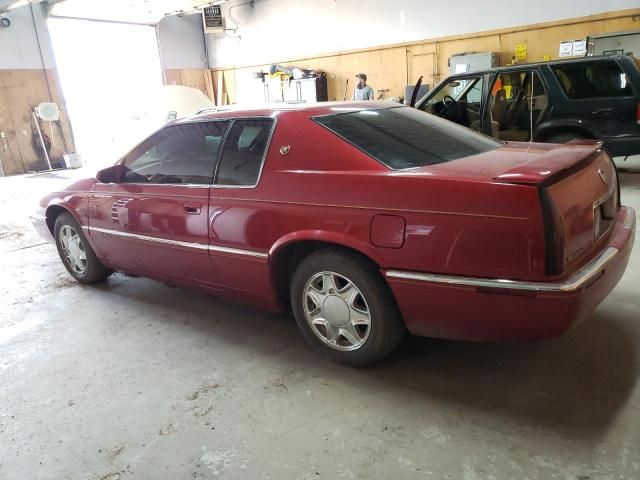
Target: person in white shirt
362, 91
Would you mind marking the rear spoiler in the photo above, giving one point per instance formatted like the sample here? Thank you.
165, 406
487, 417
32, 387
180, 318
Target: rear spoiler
556, 162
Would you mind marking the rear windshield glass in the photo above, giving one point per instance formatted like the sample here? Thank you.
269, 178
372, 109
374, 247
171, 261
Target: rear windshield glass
403, 137
593, 80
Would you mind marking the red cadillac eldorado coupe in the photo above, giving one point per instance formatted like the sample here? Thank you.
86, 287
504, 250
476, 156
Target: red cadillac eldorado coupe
367, 219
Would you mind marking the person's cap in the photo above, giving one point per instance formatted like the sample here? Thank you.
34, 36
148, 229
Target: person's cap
362, 76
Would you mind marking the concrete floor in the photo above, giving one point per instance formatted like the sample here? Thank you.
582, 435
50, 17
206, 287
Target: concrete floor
134, 379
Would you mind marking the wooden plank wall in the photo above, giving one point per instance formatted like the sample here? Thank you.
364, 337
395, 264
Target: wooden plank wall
393, 67
20, 91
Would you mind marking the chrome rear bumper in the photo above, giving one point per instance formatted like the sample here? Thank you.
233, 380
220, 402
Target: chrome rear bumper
575, 282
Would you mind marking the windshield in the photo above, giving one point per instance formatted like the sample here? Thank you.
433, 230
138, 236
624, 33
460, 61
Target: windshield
403, 137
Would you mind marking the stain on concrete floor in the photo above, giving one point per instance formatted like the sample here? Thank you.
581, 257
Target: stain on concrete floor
132, 379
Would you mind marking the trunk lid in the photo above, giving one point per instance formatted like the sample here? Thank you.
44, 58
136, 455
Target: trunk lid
516, 162
578, 188
550, 164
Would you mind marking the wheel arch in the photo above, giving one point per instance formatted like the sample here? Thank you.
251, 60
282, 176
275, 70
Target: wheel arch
289, 251
546, 131
52, 212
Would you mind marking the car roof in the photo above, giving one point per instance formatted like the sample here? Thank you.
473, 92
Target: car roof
312, 109
519, 66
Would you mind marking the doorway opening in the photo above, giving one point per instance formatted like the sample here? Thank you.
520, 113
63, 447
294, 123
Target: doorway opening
106, 72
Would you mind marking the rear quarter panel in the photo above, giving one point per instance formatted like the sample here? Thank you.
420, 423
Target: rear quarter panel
325, 189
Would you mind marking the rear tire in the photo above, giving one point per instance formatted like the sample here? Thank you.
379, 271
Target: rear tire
344, 308
75, 252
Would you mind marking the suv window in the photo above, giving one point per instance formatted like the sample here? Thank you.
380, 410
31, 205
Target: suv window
403, 137
518, 98
458, 100
244, 152
593, 79
177, 154
474, 95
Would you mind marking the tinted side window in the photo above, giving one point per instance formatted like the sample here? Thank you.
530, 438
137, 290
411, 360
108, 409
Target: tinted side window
244, 152
178, 154
403, 137
593, 80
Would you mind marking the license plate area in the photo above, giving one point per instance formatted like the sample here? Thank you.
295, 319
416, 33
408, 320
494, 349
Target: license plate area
604, 214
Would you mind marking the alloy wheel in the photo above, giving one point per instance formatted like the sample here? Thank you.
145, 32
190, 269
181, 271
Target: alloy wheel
73, 249
337, 311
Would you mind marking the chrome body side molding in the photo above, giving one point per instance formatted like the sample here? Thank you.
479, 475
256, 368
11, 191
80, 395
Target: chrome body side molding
238, 251
177, 243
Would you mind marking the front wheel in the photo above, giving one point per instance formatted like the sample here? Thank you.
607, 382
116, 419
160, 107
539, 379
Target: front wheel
344, 308
75, 252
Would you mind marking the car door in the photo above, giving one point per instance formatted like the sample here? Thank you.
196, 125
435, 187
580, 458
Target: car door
237, 227
458, 99
517, 103
154, 220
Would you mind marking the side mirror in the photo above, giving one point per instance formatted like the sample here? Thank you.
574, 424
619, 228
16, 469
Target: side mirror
112, 174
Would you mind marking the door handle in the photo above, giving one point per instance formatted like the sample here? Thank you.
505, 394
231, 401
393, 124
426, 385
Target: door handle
192, 208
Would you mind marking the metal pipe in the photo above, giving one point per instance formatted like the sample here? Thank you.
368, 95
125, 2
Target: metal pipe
206, 48
159, 44
44, 147
44, 66
99, 20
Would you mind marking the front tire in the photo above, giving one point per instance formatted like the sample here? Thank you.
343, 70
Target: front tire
75, 252
344, 308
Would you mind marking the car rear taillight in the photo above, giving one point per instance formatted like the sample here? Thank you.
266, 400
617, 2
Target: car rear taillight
638, 113
553, 235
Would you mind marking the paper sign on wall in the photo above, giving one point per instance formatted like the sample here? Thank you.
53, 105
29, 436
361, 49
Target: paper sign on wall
521, 51
573, 48
566, 49
579, 48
